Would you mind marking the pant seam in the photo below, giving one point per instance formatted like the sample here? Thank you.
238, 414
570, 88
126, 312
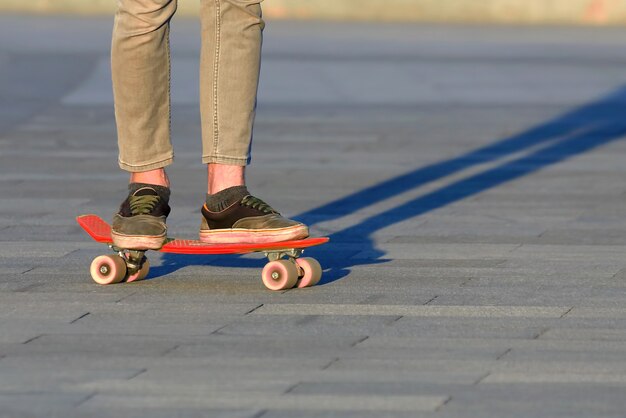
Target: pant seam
169, 83
169, 86
216, 76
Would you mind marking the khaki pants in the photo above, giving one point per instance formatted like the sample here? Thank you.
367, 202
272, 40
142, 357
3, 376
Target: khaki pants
229, 74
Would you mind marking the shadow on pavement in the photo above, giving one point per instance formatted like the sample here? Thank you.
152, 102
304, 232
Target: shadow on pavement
554, 141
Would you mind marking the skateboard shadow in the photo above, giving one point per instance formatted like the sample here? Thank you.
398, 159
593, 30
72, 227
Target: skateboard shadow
557, 140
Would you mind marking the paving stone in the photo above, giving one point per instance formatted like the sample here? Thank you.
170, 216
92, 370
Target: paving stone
592, 378
581, 312
30, 379
131, 345
262, 401
466, 328
36, 249
419, 311
343, 414
274, 347
539, 400
181, 411
593, 334
32, 403
164, 412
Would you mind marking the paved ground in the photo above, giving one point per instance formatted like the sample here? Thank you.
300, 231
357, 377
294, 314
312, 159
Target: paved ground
471, 179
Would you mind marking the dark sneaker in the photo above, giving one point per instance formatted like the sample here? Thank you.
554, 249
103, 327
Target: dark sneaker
234, 216
140, 223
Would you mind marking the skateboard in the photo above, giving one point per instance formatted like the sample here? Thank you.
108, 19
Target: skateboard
286, 268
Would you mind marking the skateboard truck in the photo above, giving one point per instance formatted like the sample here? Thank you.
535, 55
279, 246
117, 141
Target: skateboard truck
290, 254
134, 259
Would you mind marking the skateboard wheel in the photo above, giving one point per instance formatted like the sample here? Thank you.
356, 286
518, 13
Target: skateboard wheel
108, 269
311, 272
280, 275
141, 274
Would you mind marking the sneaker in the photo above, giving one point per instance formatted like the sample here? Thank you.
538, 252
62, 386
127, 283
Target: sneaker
140, 223
234, 216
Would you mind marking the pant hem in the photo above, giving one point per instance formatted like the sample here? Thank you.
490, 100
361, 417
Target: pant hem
134, 168
226, 160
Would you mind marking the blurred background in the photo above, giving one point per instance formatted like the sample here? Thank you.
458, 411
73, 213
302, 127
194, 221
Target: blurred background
484, 11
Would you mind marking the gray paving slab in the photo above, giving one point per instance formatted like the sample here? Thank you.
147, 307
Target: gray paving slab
262, 401
470, 178
159, 412
344, 414
601, 335
419, 311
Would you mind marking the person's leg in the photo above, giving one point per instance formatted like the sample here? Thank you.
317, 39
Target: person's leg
230, 64
140, 65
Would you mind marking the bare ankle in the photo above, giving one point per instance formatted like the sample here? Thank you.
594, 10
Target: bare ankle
223, 176
158, 177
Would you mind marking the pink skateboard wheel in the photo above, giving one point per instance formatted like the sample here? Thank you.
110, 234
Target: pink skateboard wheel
312, 272
280, 275
108, 269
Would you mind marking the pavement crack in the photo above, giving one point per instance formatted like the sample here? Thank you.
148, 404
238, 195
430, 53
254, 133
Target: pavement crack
508, 350
33, 339
170, 350
359, 341
86, 399
333, 361
217, 331
254, 309
80, 317
125, 296
140, 372
395, 319
431, 300
566, 312
480, 379
291, 388
260, 413
444, 403
543, 331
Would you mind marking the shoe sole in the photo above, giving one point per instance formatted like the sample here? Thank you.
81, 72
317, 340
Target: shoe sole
138, 242
253, 236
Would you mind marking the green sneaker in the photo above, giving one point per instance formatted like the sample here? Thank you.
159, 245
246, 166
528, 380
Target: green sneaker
140, 222
234, 216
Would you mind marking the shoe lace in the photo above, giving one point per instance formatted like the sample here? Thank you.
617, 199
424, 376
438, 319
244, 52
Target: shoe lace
142, 205
258, 204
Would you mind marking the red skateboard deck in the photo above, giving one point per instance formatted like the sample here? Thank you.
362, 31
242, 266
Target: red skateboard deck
107, 269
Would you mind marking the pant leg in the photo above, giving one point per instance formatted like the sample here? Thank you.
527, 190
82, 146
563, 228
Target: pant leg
140, 65
230, 62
